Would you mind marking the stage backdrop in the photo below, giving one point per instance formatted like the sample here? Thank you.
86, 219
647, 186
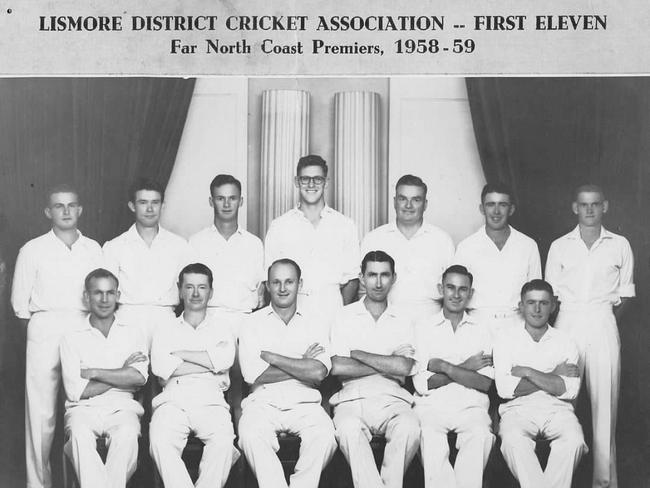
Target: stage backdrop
545, 136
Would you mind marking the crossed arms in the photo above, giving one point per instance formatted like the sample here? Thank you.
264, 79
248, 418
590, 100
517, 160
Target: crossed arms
465, 373
533, 380
363, 363
307, 369
125, 378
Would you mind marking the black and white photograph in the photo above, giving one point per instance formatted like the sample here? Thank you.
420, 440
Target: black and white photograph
351, 281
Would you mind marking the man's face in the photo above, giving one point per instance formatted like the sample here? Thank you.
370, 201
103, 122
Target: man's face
225, 201
590, 207
195, 291
64, 210
102, 297
410, 203
456, 291
536, 306
497, 209
311, 182
283, 285
378, 280
146, 207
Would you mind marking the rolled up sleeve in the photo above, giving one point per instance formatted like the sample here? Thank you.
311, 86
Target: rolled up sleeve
222, 355
626, 288
250, 362
505, 382
23, 282
163, 363
73, 383
571, 383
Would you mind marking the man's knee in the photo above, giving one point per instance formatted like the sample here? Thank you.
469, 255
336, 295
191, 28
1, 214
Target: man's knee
406, 424
349, 426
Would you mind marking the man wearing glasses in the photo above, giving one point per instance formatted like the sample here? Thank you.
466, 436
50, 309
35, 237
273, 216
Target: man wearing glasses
322, 241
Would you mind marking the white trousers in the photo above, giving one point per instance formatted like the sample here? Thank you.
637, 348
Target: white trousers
356, 421
518, 431
324, 302
474, 441
498, 321
42, 380
83, 425
596, 334
147, 318
417, 311
258, 428
168, 433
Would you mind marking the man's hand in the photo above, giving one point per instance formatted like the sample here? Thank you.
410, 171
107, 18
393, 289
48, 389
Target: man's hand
519, 371
313, 351
406, 350
87, 373
136, 357
477, 361
567, 369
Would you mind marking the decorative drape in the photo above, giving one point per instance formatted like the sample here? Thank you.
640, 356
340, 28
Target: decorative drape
285, 139
356, 157
545, 136
98, 134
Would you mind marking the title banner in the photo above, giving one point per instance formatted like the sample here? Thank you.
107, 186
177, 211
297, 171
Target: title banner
253, 37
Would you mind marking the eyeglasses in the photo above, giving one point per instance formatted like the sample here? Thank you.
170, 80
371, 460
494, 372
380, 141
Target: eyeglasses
315, 180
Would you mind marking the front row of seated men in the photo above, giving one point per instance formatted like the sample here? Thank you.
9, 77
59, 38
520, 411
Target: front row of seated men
284, 355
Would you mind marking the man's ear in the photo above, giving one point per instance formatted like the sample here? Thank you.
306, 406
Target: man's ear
131, 206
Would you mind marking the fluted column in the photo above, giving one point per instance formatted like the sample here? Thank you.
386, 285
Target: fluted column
285, 139
357, 157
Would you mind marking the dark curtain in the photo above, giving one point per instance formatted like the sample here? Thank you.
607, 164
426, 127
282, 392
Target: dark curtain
545, 136
96, 133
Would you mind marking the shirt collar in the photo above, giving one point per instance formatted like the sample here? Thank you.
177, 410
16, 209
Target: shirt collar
439, 319
424, 228
80, 239
181, 320
575, 233
359, 308
87, 326
134, 236
214, 229
548, 335
326, 211
270, 311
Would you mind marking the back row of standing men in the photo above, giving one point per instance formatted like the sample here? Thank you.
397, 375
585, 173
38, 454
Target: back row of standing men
590, 269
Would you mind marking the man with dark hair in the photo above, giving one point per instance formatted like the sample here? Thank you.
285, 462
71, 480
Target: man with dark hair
102, 365
591, 270
47, 293
321, 240
501, 259
191, 356
284, 356
235, 256
146, 259
455, 372
372, 353
422, 251
536, 371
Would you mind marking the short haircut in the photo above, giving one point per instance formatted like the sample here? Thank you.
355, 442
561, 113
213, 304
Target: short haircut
537, 285
411, 180
588, 188
221, 180
377, 257
460, 270
99, 273
145, 184
498, 187
195, 268
61, 188
288, 261
311, 160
